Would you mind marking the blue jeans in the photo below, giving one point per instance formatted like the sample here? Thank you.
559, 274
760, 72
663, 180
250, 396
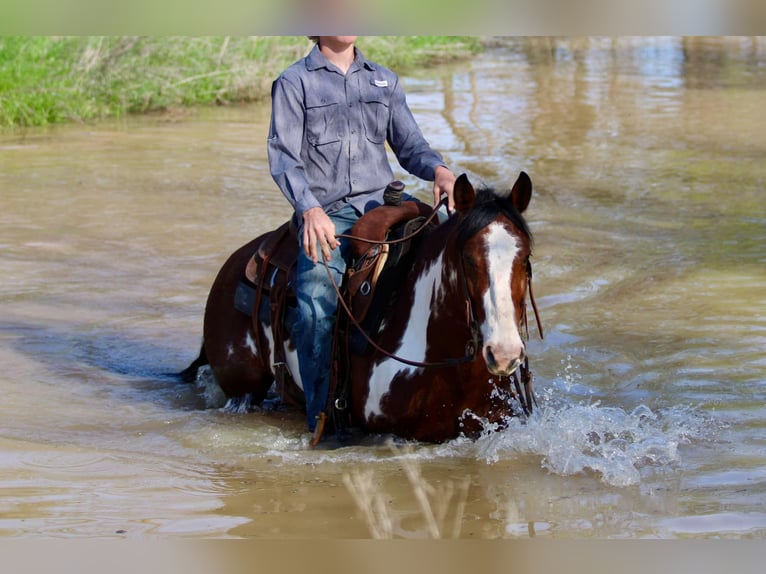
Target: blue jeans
315, 317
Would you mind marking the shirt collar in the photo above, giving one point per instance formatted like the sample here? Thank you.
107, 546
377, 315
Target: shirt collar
316, 60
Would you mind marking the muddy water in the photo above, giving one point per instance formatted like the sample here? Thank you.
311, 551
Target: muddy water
650, 220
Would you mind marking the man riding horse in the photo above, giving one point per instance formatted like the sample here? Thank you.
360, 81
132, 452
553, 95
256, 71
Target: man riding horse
332, 114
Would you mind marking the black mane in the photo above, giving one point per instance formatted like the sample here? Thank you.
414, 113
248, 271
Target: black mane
486, 208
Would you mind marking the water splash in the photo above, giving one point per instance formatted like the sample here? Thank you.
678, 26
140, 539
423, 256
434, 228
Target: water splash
574, 433
212, 393
610, 441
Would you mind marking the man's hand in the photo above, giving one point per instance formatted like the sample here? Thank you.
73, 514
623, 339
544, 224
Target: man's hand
318, 228
444, 182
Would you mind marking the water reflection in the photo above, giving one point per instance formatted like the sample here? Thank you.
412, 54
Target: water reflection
712, 63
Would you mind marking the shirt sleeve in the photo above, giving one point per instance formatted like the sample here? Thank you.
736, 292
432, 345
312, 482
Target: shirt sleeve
284, 146
406, 140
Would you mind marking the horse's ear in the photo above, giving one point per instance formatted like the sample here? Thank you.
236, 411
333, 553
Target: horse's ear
521, 192
464, 194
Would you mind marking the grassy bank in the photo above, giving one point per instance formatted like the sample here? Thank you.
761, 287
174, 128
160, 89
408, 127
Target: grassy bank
47, 80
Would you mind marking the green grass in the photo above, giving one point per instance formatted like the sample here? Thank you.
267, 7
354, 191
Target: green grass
46, 80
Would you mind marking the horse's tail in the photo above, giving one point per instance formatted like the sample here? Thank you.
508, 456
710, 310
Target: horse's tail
189, 374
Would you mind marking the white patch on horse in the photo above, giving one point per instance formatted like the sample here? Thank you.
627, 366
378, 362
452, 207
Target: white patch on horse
230, 350
413, 347
453, 277
250, 343
270, 341
499, 330
291, 358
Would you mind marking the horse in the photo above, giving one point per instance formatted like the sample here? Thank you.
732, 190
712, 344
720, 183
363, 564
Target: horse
443, 360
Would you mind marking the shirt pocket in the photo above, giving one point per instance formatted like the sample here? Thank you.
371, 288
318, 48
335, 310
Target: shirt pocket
323, 119
375, 112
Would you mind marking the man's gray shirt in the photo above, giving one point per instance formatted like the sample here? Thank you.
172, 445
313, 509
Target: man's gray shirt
328, 132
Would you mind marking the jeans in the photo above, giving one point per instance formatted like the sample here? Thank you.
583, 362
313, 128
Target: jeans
315, 317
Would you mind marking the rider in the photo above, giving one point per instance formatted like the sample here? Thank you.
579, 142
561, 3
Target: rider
332, 114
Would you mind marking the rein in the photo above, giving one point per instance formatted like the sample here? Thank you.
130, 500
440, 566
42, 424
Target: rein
473, 342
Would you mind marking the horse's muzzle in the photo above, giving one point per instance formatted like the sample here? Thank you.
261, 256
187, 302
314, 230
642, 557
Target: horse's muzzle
503, 362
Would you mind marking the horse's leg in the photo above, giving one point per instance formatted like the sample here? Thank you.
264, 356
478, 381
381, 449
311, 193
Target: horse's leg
229, 336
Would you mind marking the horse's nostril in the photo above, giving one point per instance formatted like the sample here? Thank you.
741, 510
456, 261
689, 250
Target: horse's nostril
490, 356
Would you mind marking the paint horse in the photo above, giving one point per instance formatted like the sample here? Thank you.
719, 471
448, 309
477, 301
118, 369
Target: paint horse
443, 360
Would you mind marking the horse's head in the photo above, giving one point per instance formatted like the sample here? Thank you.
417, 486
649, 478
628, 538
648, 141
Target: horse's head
494, 245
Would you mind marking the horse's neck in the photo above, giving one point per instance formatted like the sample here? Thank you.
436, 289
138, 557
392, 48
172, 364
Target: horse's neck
430, 286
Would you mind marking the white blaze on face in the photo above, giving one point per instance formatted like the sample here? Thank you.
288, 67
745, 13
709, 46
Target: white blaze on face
414, 340
503, 347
